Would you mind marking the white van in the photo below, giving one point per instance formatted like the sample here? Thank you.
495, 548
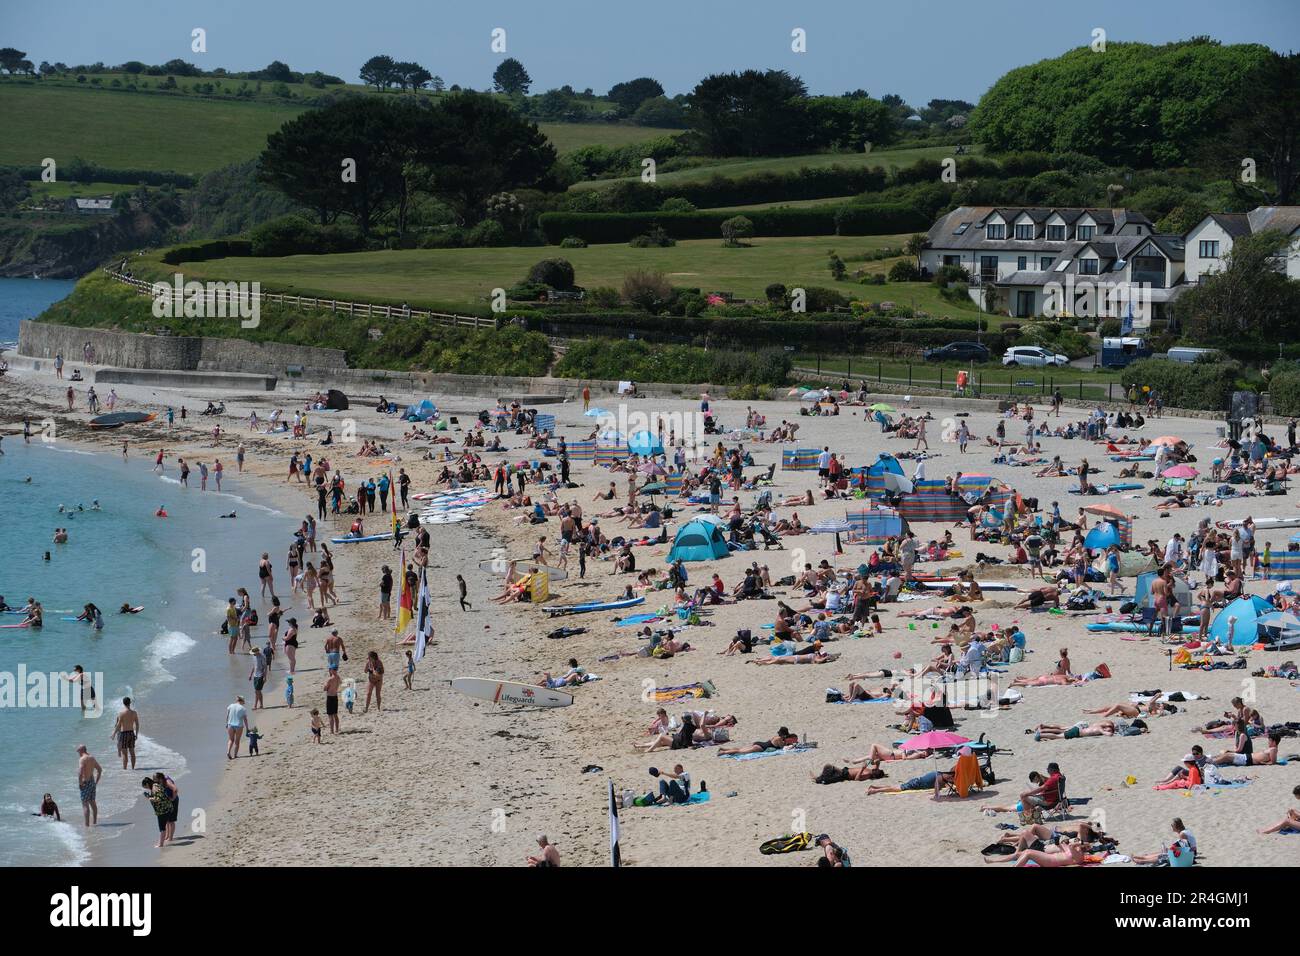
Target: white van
1189, 355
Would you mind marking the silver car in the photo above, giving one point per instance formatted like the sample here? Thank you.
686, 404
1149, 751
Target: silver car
1033, 355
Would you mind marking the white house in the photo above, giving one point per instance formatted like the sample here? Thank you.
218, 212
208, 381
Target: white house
1036, 261
1211, 239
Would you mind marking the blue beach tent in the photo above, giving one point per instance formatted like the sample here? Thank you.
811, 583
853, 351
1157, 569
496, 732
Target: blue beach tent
644, 443
700, 539
1247, 611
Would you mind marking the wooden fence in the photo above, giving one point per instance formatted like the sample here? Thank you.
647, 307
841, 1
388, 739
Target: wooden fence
223, 303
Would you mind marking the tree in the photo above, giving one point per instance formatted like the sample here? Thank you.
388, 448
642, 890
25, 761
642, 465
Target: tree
661, 111
277, 71
1263, 127
914, 246
437, 84
11, 59
1134, 105
511, 77
754, 113
379, 72
631, 94
1249, 300
45, 68
304, 159
13, 190
735, 229
556, 273
482, 147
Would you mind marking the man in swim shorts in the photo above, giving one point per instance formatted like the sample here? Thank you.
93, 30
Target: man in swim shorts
126, 729
332, 684
335, 650
88, 773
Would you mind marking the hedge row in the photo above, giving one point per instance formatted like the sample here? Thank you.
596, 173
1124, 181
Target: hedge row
848, 333
212, 249
865, 220
82, 172
1207, 386
722, 190
1284, 388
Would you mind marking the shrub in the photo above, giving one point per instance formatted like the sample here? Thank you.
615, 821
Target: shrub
651, 362
947, 274
864, 220
647, 290
556, 273
904, 270
1284, 388
692, 304
655, 238
1206, 386
836, 265
735, 229
573, 242
874, 278
487, 233
775, 293
604, 297
677, 204
293, 235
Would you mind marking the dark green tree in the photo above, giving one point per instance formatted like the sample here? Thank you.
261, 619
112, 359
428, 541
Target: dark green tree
511, 78
631, 94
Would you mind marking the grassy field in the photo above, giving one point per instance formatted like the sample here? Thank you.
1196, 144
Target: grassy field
456, 277
992, 377
885, 158
182, 133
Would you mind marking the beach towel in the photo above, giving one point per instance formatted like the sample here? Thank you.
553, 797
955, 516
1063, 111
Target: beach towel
966, 774
665, 695
768, 753
790, 843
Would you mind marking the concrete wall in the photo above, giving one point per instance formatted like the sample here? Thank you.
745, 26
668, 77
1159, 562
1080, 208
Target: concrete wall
43, 340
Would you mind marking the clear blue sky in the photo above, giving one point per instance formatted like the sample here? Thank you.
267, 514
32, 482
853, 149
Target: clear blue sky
920, 49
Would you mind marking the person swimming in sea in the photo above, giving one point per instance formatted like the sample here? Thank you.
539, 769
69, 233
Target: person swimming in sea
231, 515
130, 609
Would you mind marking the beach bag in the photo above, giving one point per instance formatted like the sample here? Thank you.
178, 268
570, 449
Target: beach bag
1103, 670
1015, 655
833, 696
998, 849
790, 843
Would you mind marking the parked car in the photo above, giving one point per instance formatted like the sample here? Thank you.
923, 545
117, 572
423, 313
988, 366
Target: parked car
958, 352
1033, 355
1188, 355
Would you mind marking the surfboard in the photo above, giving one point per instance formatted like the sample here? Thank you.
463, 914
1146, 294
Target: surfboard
448, 518
1263, 524
593, 606
388, 536
118, 419
522, 566
939, 584
511, 692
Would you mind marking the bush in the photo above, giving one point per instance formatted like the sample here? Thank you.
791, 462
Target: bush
555, 273
647, 290
656, 238
874, 278
1206, 386
620, 227
293, 235
604, 297
904, 270
947, 274
677, 204
573, 242
203, 251
1284, 388
647, 362
735, 229
836, 265
775, 294
488, 233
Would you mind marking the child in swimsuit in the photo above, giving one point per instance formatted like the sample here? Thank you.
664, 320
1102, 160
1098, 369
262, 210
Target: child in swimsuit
316, 724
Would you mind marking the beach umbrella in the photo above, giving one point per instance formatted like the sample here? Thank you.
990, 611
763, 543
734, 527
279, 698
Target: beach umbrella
813, 396
798, 390
654, 488
835, 526
592, 412
1169, 440
1101, 537
652, 468
1280, 620
935, 740
880, 407
899, 483
1104, 511
1180, 471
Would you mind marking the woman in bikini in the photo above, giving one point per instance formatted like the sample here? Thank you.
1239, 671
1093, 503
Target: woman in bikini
782, 740
291, 644
833, 774
273, 621
293, 567
311, 581
266, 575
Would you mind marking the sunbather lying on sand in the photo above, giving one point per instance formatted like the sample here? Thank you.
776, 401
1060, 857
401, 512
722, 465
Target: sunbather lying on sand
817, 657
833, 774
782, 740
882, 752
1155, 708
934, 780
1070, 853
1289, 822
1046, 680
1107, 728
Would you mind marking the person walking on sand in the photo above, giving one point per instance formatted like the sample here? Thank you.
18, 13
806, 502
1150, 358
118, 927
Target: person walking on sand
258, 676
464, 593
217, 469
72, 397
332, 684
335, 651
236, 725
125, 731
89, 773
386, 594
586, 396
921, 440
58, 365
374, 681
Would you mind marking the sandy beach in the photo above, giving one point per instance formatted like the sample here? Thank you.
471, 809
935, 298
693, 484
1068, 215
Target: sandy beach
441, 778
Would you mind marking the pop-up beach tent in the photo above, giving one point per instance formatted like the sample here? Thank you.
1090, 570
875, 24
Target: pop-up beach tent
1243, 616
644, 443
421, 412
878, 484
336, 400
700, 539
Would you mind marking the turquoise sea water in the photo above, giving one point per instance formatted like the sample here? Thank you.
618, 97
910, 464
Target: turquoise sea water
168, 658
25, 299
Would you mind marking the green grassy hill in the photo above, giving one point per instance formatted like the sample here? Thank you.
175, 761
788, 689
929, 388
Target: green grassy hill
883, 158
463, 278
183, 132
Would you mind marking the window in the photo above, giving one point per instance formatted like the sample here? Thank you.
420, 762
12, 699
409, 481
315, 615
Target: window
952, 260
1084, 233
1022, 262
988, 268
962, 228
1056, 233
995, 230
1045, 262
1024, 230
1088, 267
1209, 249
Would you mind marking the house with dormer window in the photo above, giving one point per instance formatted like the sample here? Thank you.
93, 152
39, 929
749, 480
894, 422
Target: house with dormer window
1211, 239
1035, 261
